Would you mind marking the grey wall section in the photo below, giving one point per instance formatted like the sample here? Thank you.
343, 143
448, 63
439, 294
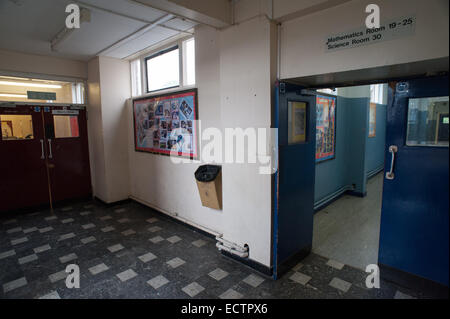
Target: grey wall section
347, 171
375, 146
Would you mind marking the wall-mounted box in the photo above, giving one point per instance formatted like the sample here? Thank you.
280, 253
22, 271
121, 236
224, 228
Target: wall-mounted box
209, 183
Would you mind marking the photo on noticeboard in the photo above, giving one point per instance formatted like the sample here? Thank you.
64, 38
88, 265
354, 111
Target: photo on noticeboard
166, 124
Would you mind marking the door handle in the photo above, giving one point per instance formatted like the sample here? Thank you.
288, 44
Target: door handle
42, 150
50, 155
392, 149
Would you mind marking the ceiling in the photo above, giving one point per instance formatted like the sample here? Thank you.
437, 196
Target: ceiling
121, 25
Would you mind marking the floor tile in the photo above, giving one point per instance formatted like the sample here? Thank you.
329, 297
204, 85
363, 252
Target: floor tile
300, 278
66, 236
176, 262
27, 259
30, 230
401, 295
14, 230
68, 258
147, 257
193, 289
7, 254
156, 239
335, 264
88, 240
57, 276
88, 226
19, 241
115, 248
126, 275
253, 280
173, 239
51, 295
199, 243
218, 274
158, 281
98, 269
9, 286
41, 249
107, 229
154, 229
231, 294
340, 284
45, 229
128, 232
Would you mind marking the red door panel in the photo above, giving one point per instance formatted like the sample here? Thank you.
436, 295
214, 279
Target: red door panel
24, 181
68, 153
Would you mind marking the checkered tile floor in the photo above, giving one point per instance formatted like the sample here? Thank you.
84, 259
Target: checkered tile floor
130, 251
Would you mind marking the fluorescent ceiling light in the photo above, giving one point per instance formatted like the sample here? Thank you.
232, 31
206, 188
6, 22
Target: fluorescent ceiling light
36, 85
13, 95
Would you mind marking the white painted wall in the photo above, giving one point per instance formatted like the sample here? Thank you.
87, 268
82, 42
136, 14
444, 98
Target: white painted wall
302, 40
38, 64
109, 89
233, 74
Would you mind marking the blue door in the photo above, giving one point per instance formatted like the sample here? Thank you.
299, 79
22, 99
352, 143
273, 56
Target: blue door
294, 192
414, 221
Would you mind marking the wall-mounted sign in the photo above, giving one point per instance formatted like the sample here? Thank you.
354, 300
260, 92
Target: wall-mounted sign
47, 96
65, 112
390, 30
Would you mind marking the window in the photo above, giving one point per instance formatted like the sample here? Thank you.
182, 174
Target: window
16, 127
136, 78
163, 69
428, 122
189, 61
377, 93
77, 93
66, 126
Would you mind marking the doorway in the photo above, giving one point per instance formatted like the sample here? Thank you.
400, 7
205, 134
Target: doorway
349, 182
413, 232
44, 155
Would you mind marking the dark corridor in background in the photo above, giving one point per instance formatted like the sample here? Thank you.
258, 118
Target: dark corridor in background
45, 156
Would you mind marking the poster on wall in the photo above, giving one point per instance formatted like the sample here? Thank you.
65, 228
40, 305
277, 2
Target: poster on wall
167, 124
325, 128
297, 132
373, 120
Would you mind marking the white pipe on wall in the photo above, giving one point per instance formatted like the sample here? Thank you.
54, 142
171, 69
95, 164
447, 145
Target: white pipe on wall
232, 251
231, 245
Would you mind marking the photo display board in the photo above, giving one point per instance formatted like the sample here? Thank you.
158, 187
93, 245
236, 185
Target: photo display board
325, 128
167, 124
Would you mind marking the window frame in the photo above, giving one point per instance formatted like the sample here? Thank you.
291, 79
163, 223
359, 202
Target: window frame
151, 52
159, 53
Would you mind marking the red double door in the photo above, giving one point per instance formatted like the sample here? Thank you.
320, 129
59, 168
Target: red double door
44, 156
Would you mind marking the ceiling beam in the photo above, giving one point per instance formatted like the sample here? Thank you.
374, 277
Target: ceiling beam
123, 15
215, 13
136, 34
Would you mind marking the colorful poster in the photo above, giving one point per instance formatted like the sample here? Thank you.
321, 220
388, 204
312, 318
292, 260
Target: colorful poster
166, 124
325, 128
373, 120
298, 130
